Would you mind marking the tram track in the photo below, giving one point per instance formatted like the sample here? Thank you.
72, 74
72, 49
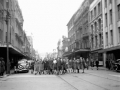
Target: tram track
102, 77
67, 82
82, 80
90, 82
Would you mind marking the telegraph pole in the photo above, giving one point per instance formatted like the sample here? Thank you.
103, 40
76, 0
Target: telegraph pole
7, 42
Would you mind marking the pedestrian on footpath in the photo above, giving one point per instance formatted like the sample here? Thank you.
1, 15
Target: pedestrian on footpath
87, 63
83, 64
92, 63
2, 66
70, 66
97, 63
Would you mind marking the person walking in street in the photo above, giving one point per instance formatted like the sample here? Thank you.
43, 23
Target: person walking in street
36, 68
58, 66
50, 66
40, 67
55, 66
78, 65
97, 63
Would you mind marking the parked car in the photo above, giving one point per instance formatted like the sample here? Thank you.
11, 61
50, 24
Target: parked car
117, 65
23, 66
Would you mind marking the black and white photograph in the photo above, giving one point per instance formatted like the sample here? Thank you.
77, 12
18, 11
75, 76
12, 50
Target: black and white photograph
59, 44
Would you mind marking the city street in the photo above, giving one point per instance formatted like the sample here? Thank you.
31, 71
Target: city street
90, 80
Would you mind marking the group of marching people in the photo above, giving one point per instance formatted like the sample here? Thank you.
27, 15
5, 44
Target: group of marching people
60, 66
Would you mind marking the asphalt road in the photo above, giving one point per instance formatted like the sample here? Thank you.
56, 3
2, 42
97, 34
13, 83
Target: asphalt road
90, 80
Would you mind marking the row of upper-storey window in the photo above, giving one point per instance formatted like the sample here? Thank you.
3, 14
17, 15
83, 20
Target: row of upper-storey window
111, 16
96, 11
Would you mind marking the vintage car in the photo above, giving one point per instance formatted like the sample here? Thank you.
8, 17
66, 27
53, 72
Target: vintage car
22, 66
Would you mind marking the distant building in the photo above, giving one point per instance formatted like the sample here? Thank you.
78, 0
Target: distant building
59, 49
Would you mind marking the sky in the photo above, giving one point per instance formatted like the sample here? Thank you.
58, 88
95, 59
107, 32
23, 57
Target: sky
47, 20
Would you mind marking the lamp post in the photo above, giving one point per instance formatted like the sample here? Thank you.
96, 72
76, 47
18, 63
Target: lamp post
7, 23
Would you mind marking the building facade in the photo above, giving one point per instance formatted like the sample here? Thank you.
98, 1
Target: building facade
111, 29
71, 37
96, 30
78, 31
13, 31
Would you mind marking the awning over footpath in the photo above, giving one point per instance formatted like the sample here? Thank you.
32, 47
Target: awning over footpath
83, 50
109, 49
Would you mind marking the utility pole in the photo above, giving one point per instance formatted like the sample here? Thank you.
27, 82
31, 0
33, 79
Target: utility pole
7, 23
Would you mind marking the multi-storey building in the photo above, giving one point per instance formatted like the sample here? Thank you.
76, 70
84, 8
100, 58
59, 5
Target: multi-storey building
96, 30
111, 29
78, 31
65, 44
30, 39
82, 30
59, 49
13, 31
71, 36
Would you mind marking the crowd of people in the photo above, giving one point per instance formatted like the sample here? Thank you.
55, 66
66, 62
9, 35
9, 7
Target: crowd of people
61, 66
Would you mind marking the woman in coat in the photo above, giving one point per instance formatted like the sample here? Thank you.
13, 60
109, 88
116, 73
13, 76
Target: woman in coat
40, 67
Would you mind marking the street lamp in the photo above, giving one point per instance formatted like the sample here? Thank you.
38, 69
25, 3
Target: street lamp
7, 23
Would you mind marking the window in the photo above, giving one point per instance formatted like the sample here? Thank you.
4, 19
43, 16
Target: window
110, 1
100, 39
96, 41
99, 8
111, 32
119, 33
1, 35
92, 29
95, 12
106, 38
110, 16
95, 27
99, 21
91, 15
105, 3
106, 19
118, 11
92, 41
